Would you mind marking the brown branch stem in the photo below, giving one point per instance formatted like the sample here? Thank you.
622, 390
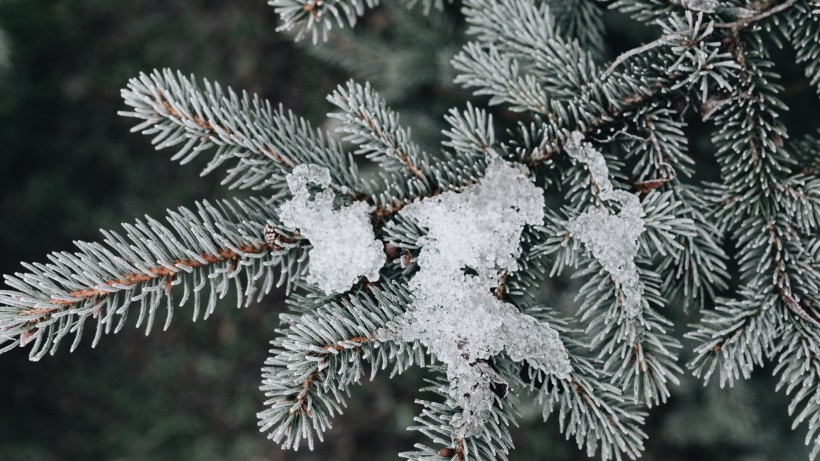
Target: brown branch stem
266, 150
401, 155
127, 280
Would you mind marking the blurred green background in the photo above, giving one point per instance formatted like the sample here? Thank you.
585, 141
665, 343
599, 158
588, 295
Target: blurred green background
69, 166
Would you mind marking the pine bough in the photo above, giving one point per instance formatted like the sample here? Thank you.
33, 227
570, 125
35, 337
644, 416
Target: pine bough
436, 261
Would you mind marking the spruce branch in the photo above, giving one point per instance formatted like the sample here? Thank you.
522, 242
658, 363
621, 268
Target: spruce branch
265, 143
694, 31
802, 27
493, 443
639, 352
752, 127
374, 128
211, 249
745, 21
588, 407
316, 17
700, 270
777, 258
630, 336
735, 337
321, 354
501, 77
640, 235
525, 32
582, 21
739, 334
448, 173
636, 351
660, 148
799, 370
495, 65
688, 40
470, 131
665, 225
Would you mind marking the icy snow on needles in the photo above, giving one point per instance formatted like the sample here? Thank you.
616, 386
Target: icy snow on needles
472, 239
612, 239
344, 247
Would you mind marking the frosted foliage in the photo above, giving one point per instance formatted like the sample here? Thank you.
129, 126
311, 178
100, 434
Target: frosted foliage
472, 237
344, 247
706, 6
611, 238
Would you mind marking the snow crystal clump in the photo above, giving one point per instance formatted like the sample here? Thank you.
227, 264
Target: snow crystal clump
472, 239
612, 239
344, 246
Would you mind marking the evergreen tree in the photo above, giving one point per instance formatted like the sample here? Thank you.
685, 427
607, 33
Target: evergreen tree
439, 259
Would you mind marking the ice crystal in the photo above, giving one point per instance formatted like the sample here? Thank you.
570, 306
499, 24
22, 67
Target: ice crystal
611, 238
472, 239
344, 247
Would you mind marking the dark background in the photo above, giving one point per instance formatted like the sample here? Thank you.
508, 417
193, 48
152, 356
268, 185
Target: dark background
69, 166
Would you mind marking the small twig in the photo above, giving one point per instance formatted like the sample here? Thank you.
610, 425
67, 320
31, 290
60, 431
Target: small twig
635, 51
622, 132
265, 150
101, 290
795, 307
399, 153
740, 23
743, 22
781, 283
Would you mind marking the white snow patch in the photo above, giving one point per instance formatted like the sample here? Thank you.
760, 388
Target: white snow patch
611, 238
344, 247
473, 236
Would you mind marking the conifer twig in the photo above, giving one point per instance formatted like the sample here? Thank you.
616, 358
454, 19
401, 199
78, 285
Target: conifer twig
740, 23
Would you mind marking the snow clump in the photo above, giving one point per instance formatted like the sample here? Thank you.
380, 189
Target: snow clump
471, 245
344, 247
611, 238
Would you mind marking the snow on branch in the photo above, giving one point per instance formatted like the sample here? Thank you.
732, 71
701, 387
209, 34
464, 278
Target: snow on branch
473, 241
492, 443
344, 245
611, 238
